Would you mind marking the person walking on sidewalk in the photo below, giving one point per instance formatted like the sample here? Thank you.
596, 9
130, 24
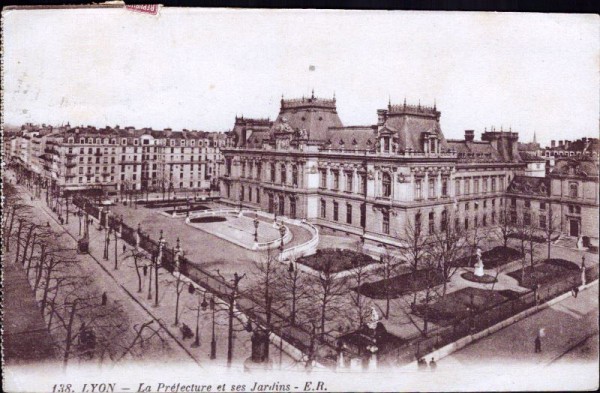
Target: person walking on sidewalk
538, 344
432, 364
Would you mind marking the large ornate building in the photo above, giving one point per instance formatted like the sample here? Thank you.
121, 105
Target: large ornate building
370, 181
117, 159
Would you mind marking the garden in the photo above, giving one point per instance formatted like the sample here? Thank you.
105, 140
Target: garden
546, 271
336, 260
402, 284
192, 208
207, 219
460, 304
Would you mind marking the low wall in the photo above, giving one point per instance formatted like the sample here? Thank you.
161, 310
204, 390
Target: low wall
274, 244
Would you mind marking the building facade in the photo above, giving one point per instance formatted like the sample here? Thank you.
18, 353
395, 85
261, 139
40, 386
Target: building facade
567, 199
115, 160
372, 181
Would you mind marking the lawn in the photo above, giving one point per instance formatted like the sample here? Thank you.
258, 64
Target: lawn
458, 304
493, 258
402, 284
339, 260
543, 272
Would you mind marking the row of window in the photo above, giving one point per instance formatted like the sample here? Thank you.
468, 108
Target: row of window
336, 211
113, 141
349, 181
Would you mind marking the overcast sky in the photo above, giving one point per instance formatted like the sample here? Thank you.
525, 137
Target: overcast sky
197, 69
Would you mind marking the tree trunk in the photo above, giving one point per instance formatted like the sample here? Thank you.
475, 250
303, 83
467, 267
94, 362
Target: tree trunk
10, 227
31, 254
69, 335
27, 240
18, 240
47, 286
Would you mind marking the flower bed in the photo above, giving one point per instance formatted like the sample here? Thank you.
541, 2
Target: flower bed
337, 259
546, 271
194, 208
208, 219
485, 279
402, 284
493, 258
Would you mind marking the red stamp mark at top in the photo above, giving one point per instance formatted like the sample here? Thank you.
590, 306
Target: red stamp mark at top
145, 8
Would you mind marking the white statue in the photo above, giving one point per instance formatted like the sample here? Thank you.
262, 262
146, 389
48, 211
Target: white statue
479, 265
372, 324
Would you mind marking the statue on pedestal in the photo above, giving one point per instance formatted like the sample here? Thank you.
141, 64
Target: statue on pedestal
479, 264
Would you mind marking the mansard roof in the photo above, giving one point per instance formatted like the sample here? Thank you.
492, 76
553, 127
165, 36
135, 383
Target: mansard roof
315, 115
473, 151
352, 138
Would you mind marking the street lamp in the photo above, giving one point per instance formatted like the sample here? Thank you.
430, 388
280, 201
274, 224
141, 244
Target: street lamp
213, 341
161, 244
256, 223
282, 233
203, 306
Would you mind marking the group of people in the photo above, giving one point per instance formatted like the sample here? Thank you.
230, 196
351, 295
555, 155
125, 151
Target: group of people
422, 364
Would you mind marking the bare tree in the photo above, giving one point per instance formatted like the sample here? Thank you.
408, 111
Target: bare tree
551, 227
506, 226
416, 247
445, 249
138, 257
327, 293
360, 274
292, 288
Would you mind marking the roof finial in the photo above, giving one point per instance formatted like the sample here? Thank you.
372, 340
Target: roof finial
405, 102
334, 95
313, 93
434, 104
389, 101
534, 137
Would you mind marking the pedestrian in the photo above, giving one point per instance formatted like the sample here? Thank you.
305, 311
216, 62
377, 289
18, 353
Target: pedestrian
575, 291
432, 364
124, 248
145, 270
422, 363
538, 344
104, 298
48, 224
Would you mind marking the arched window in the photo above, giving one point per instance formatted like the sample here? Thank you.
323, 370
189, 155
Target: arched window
272, 172
386, 183
417, 224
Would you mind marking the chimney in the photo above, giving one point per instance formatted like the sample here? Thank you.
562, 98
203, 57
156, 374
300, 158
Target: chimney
469, 135
560, 143
552, 143
567, 144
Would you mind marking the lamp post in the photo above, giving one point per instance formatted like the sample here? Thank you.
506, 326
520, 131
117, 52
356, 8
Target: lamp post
161, 244
107, 240
256, 223
282, 233
202, 306
213, 341
116, 237
176, 255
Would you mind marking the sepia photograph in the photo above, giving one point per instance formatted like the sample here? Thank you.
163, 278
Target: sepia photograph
300, 200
